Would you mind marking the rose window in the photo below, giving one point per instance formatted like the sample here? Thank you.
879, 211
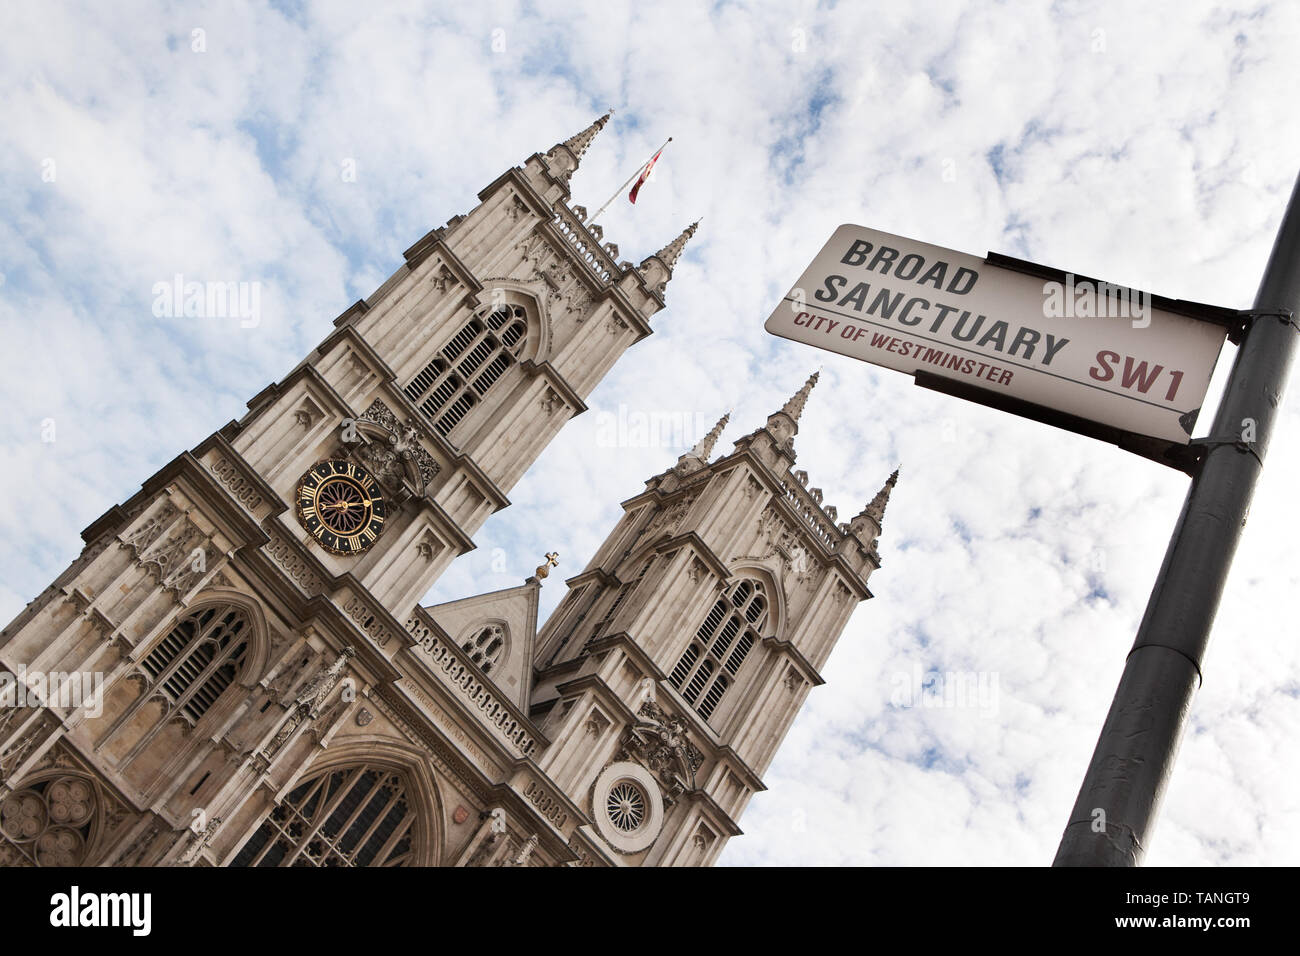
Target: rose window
626, 805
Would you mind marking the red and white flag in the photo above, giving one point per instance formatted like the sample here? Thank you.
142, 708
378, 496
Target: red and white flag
645, 174
640, 176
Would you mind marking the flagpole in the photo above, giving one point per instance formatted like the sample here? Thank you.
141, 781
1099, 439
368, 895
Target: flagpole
618, 192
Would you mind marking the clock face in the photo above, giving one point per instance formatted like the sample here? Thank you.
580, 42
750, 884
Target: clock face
340, 506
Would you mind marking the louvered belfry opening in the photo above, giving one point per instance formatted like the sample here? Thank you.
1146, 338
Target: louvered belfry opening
357, 816
710, 663
469, 365
199, 658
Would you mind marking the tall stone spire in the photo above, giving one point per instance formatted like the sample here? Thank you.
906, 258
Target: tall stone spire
794, 407
784, 424
563, 158
704, 447
579, 142
698, 457
876, 510
670, 253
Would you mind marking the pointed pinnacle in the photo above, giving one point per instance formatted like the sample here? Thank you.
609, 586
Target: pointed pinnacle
876, 510
579, 142
670, 253
704, 447
794, 407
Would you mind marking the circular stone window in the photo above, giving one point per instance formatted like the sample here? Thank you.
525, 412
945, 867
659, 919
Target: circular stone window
627, 807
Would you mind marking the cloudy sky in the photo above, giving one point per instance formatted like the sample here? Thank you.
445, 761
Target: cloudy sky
1152, 145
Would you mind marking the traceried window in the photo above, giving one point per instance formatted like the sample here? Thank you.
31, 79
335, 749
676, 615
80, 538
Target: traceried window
48, 823
485, 646
199, 658
467, 366
710, 664
352, 817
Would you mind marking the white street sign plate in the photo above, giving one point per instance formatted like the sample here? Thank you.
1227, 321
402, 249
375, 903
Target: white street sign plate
1099, 352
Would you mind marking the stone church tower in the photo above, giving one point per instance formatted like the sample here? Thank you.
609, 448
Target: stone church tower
236, 670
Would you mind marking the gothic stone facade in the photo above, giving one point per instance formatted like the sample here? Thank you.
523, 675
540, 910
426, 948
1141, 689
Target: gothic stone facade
273, 692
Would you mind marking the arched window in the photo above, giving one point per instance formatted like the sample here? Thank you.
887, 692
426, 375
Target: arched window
357, 816
199, 658
486, 646
468, 365
709, 665
187, 671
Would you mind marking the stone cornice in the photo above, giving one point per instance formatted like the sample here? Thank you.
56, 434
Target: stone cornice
702, 550
306, 369
326, 614
630, 312
556, 381
597, 685
562, 815
632, 648
597, 574
243, 527
810, 672
353, 312
435, 243
349, 334
543, 674
515, 176
747, 773
714, 812
277, 505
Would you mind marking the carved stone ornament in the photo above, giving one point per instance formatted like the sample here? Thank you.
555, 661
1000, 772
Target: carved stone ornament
658, 740
306, 707
198, 840
389, 460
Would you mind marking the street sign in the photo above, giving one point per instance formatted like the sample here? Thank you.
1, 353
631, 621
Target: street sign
1009, 333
